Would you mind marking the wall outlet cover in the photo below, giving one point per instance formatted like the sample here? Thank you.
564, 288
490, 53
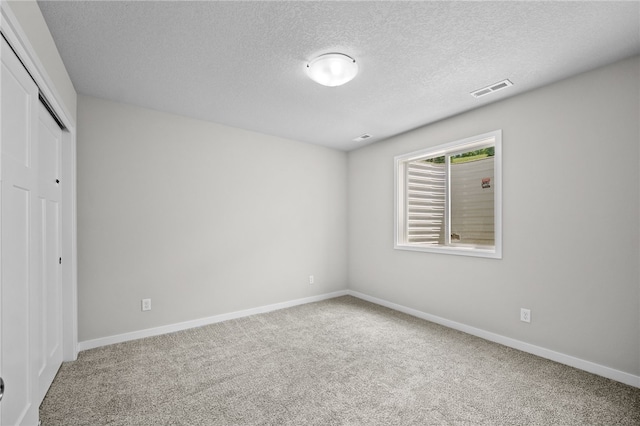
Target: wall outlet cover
146, 304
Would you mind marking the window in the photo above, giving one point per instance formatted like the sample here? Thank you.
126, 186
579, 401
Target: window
449, 198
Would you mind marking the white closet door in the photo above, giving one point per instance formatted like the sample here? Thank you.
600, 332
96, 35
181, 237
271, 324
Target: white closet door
50, 286
19, 245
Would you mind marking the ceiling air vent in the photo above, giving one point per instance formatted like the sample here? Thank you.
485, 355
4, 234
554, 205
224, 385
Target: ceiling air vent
490, 89
362, 137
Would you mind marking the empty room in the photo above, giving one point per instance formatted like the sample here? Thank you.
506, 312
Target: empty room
319, 213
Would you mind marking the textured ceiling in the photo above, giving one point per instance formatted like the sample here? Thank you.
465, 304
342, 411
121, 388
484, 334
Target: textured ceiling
243, 63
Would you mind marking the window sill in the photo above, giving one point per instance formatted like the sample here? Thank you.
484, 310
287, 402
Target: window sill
491, 253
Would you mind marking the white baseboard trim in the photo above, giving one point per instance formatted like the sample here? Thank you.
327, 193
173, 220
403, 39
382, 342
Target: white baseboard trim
571, 361
581, 364
156, 331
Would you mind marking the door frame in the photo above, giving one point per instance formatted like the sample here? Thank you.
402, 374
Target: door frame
12, 31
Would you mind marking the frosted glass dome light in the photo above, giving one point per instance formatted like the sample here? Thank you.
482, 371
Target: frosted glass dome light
332, 69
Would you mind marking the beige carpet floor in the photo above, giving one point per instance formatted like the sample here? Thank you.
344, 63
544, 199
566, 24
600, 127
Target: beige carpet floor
338, 362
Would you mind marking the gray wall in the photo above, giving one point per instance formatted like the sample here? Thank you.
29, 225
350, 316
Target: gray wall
203, 219
570, 222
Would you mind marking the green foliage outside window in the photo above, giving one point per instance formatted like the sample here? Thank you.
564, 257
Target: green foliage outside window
465, 157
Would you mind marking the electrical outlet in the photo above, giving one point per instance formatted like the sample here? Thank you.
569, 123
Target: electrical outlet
146, 304
311, 279
525, 315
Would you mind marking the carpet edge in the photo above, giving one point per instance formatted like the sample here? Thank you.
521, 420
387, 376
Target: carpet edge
171, 328
588, 366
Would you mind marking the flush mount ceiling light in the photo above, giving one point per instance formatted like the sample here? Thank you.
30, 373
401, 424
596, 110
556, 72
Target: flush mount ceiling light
332, 69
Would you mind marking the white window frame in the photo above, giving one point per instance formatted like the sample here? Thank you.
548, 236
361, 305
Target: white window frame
447, 149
